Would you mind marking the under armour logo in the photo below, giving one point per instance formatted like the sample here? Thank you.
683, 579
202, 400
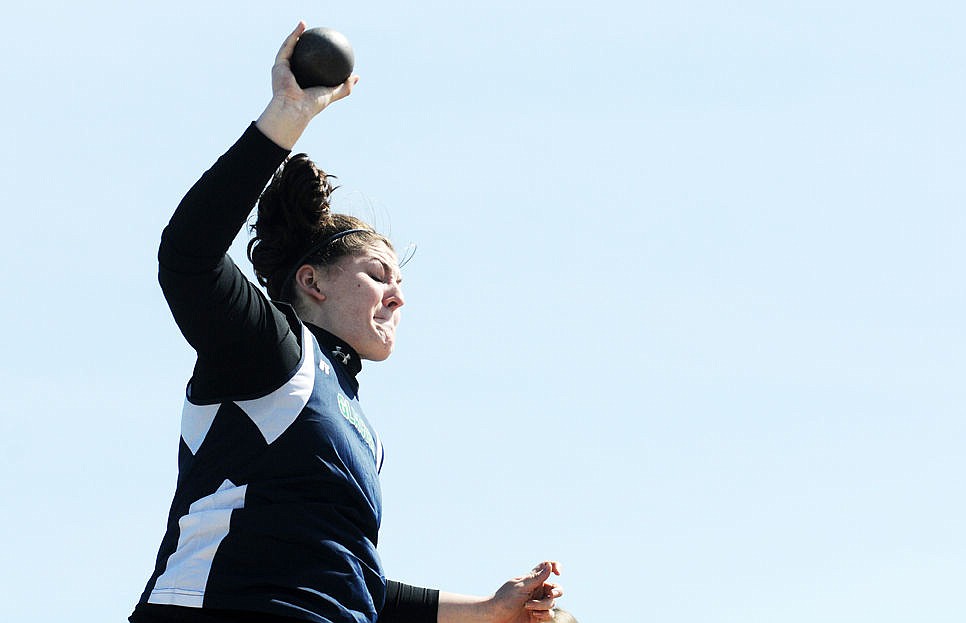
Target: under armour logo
344, 356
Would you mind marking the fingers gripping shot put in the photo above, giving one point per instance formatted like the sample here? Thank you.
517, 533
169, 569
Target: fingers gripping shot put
277, 507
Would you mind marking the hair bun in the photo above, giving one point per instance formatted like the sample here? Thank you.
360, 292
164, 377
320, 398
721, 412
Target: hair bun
292, 211
299, 196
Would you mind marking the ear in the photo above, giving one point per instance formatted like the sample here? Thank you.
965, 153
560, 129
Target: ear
308, 281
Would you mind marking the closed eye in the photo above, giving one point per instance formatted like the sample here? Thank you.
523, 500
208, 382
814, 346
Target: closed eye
384, 273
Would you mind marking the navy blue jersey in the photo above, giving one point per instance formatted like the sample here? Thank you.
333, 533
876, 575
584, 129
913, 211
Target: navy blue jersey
277, 507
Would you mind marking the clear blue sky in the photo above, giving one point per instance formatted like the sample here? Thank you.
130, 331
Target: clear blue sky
686, 313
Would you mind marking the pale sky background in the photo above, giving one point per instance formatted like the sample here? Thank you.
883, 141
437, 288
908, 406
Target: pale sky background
686, 313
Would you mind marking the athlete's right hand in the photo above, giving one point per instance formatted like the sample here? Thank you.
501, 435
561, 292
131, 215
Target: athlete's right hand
285, 86
292, 107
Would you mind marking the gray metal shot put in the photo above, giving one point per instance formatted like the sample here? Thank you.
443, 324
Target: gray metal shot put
322, 58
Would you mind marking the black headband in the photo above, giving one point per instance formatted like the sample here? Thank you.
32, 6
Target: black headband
315, 249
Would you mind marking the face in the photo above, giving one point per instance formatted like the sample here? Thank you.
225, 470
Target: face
361, 298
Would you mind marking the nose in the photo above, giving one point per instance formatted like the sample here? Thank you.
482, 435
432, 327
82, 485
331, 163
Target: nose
394, 298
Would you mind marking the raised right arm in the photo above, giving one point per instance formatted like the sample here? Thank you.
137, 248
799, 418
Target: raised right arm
244, 345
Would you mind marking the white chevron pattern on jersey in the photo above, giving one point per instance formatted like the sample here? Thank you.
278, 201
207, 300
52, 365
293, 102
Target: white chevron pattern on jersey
272, 414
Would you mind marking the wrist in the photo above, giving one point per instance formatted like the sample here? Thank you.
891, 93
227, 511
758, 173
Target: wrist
454, 608
284, 120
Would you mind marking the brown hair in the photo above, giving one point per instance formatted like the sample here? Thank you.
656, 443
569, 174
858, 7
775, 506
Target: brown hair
293, 222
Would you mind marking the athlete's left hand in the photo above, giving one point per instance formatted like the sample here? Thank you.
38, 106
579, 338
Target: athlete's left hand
528, 598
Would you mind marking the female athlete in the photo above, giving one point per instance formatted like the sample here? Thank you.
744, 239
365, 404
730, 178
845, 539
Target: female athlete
276, 513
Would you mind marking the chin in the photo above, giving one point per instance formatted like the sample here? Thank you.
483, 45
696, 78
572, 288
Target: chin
379, 354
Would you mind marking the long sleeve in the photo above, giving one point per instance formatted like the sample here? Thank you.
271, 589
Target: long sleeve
409, 604
244, 344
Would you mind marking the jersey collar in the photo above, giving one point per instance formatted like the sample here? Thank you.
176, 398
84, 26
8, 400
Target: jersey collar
337, 350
